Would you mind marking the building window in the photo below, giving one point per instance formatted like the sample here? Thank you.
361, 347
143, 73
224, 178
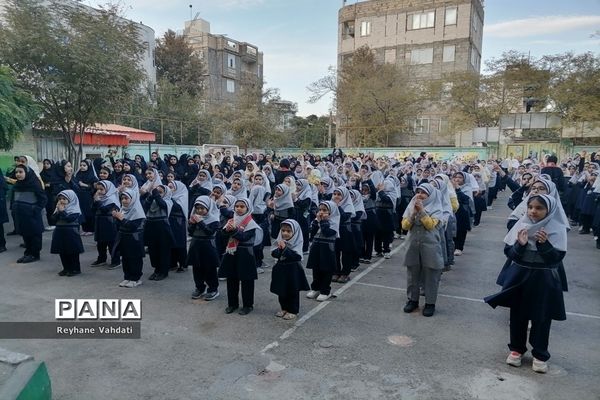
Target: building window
230, 86
348, 29
449, 52
451, 16
421, 56
421, 21
421, 125
231, 61
365, 28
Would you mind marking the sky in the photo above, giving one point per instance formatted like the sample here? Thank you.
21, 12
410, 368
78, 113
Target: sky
299, 38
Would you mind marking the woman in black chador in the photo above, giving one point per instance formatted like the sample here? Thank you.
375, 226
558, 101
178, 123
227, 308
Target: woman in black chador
28, 202
157, 231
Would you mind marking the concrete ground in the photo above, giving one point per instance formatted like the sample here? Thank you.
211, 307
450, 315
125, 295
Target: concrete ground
357, 346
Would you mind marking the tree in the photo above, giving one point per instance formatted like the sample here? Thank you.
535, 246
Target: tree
16, 110
177, 63
80, 65
309, 132
375, 100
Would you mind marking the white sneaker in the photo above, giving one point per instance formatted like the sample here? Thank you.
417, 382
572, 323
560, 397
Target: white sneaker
458, 252
396, 236
50, 228
260, 270
323, 297
539, 366
387, 256
514, 359
312, 294
124, 283
132, 284
490, 207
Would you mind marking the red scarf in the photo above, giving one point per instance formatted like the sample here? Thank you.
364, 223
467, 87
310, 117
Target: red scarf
232, 244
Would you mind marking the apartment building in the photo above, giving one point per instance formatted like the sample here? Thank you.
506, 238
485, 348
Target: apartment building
229, 63
430, 37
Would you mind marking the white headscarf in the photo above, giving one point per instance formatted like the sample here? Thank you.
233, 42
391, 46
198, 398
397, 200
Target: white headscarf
432, 204
257, 199
304, 189
357, 202
552, 224
521, 209
111, 195
134, 210
334, 216
241, 193
206, 184
213, 214
134, 182
444, 198
346, 202
167, 198
284, 201
390, 190
180, 196
73, 206
152, 184
296, 242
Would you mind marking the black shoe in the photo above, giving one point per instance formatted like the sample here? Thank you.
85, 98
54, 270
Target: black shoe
153, 276
73, 273
197, 294
20, 260
366, 261
411, 306
98, 263
2, 249
180, 269
64, 272
13, 233
211, 295
585, 232
229, 310
428, 310
173, 268
29, 259
160, 277
246, 310
598, 244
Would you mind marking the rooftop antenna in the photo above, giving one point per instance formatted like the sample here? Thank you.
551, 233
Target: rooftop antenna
191, 10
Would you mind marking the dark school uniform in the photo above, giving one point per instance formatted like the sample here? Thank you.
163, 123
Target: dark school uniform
66, 241
3, 211
533, 286
368, 228
157, 233
321, 256
105, 232
177, 221
240, 267
357, 239
130, 244
288, 279
278, 217
28, 202
302, 211
384, 208
463, 219
220, 237
203, 256
344, 245
587, 207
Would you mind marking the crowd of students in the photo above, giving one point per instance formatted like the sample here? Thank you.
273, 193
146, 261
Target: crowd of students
217, 214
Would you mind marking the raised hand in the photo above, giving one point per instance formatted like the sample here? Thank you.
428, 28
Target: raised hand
523, 237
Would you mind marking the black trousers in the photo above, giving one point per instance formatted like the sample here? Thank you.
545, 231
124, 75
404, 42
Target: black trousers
538, 335
179, 256
160, 259
206, 276
460, 238
368, 239
585, 220
233, 288
70, 262
290, 302
344, 262
2, 237
383, 240
321, 281
492, 194
33, 245
107, 247
132, 268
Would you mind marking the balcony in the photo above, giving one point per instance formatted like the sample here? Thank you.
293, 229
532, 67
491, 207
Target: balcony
248, 53
230, 72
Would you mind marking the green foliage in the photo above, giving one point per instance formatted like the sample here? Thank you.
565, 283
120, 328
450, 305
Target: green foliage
310, 132
79, 65
375, 100
177, 63
16, 109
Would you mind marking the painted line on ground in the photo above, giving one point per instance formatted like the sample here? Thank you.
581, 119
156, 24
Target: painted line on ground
324, 304
574, 314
